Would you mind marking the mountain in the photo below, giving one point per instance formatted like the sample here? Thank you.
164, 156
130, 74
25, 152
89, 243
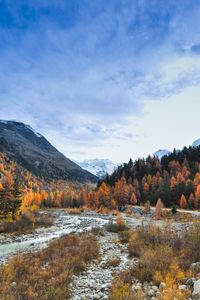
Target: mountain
98, 167
196, 143
29, 148
160, 153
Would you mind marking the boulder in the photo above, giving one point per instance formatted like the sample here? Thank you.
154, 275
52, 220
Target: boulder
182, 287
162, 285
195, 267
196, 291
190, 281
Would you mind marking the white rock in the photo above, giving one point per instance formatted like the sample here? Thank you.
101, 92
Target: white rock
162, 285
182, 287
196, 292
151, 293
195, 267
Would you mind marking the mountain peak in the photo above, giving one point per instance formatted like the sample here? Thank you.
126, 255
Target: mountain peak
21, 143
161, 152
98, 167
196, 143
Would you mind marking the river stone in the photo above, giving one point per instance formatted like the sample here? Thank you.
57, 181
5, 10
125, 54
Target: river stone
182, 287
196, 292
162, 285
196, 267
190, 281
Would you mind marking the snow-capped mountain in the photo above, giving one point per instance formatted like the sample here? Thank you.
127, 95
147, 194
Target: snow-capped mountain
160, 153
196, 143
98, 167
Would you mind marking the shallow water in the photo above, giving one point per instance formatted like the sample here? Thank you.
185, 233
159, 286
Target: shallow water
64, 224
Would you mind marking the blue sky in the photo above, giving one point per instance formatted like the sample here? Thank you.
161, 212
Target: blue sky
112, 79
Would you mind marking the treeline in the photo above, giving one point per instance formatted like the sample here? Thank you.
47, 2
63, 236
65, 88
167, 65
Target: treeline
20, 190
175, 179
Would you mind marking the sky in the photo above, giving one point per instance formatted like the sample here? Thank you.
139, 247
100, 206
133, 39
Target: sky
103, 79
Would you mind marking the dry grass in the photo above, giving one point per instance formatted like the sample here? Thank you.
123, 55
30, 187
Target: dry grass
47, 274
113, 262
163, 256
26, 222
157, 248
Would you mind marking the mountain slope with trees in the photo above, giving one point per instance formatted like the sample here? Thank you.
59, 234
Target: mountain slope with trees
175, 179
30, 149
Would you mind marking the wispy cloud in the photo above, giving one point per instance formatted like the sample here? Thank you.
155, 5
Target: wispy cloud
78, 71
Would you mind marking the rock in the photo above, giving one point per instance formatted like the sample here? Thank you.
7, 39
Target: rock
195, 267
155, 288
196, 291
13, 285
162, 285
151, 293
182, 287
158, 295
190, 281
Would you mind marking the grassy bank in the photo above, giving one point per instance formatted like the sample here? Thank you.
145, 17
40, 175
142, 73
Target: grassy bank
163, 256
47, 274
26, 223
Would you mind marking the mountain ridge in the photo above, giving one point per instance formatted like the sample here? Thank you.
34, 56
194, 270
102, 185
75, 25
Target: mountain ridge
21, 143
98, 167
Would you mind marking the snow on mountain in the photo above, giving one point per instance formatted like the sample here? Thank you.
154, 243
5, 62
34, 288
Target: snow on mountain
160, 153
196, 143
14, 122
98, 167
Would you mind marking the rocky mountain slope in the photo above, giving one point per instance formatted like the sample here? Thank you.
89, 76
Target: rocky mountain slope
30, 149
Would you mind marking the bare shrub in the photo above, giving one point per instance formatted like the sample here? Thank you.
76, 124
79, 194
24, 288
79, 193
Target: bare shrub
47, 274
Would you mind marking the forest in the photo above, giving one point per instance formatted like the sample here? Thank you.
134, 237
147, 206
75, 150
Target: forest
175, 180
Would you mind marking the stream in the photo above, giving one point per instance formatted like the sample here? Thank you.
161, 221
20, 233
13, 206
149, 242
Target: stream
63, 224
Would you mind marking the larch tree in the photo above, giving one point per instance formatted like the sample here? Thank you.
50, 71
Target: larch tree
197, 197
183, 202
159, 207
133, 199
191, 200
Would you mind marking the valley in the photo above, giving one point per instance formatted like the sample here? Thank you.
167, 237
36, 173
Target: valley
96, 281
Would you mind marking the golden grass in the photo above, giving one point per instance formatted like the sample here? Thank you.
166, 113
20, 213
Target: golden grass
47, 274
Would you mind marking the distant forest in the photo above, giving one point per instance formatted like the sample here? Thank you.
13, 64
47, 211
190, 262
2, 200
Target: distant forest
175, 179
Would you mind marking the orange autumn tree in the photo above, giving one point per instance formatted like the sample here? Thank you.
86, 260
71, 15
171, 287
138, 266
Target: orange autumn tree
197, 197
159, 207
191, 200
104, 195
183, 202
133, 199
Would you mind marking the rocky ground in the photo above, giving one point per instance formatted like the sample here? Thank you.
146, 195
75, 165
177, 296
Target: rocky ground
96, 281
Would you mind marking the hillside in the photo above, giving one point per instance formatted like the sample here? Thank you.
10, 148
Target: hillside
175, 179
30, 149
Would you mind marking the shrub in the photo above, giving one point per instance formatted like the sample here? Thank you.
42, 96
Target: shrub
120, 290
113, 262
124, 236
153, 260
26, 222
174, 209
135, 248
47, 274
114, 227
191, 245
